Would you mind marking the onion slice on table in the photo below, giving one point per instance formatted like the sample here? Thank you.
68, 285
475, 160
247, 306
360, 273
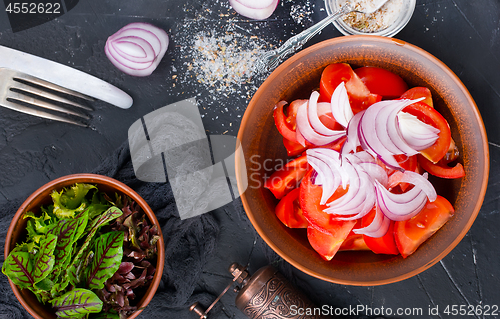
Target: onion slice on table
137, 48
254, 9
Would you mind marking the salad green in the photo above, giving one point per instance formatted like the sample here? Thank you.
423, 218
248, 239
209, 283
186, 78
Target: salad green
71, 251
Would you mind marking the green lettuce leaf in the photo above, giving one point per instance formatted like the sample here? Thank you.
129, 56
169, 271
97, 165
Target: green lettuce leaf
71, 201
107, 258
68, 231
74, 271
76, 303
44, 258
19, 268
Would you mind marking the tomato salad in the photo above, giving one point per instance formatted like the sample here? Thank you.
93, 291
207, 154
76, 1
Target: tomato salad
363, 148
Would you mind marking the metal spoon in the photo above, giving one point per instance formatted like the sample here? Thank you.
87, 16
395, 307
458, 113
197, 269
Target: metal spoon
271, 59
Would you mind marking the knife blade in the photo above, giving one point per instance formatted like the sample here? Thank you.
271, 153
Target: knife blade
64, 76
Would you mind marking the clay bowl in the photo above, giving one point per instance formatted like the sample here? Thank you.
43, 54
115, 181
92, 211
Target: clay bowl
262, 149
17, 234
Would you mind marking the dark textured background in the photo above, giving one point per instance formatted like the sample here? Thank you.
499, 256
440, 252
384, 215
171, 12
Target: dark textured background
465, 35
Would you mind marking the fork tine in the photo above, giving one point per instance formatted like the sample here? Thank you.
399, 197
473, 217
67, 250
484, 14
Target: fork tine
29, 89
52, 86
34, 101
39, 113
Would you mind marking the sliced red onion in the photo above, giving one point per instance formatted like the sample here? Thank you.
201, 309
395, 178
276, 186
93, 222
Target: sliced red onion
328, 180
399, 207
317, 125
361, 204
130, 32
388, 132
341, 108
376, 172
416, 133
248, 8
360, 157
306, 130
354, 186
352, 141
256, 4
378, 131
421, 182
137, 48
404, 206
363, 200
128, 63
377, 228
332, 159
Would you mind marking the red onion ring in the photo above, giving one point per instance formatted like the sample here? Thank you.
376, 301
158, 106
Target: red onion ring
256, 4
137, 48
246, 8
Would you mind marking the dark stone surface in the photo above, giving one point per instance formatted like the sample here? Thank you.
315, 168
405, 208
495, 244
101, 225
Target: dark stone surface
465, 35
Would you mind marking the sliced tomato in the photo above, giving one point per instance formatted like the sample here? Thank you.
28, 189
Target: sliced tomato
293, 148
430, 116
288, 177
382, 82
452, 154
410, 234
383, 245
441, 169
417, 92
310, 197
408, 163
289, 212
359, 95
281, 124
354, 241
326, 244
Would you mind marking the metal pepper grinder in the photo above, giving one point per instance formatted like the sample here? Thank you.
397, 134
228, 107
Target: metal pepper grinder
266, 294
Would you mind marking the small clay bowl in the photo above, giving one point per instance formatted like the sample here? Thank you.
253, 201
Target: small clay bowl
262, 148
17, 233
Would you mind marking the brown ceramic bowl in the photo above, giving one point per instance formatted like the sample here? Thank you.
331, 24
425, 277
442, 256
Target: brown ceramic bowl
262, 148
40, 197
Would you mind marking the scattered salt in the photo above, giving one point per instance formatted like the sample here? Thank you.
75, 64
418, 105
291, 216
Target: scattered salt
301, 13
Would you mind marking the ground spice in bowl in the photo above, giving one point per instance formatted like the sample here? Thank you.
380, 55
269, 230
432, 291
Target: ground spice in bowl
387, 21
377, 21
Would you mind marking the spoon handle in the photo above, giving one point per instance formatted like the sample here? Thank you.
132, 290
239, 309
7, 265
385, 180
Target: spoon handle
271, 59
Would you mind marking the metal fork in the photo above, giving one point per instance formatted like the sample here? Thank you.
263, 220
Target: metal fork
27, 94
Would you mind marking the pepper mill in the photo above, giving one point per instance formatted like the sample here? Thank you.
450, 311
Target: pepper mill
267, 294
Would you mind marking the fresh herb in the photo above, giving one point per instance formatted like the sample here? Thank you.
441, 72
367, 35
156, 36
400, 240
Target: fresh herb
72, 252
